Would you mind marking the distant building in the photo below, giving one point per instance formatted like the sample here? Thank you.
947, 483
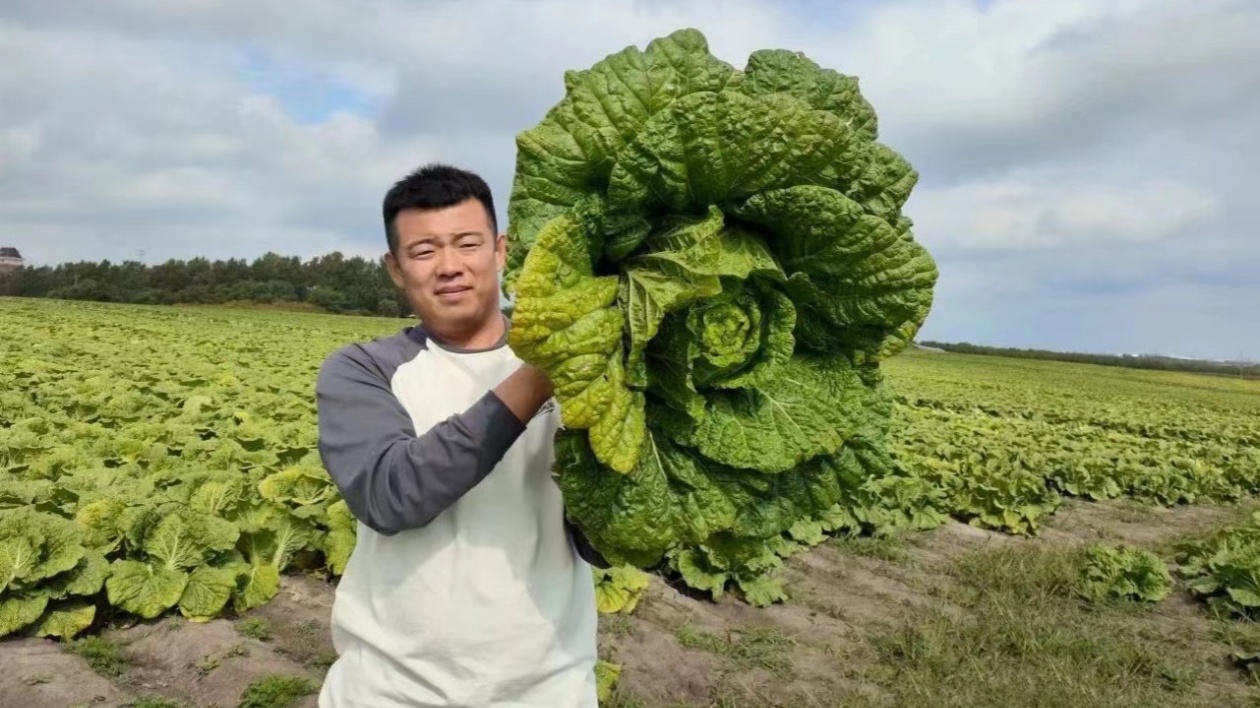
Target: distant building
10, 259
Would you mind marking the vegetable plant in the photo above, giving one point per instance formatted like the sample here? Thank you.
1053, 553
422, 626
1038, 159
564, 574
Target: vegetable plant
711, 263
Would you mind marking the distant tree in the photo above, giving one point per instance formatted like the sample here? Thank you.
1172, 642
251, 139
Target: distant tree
1164, 363
332, 282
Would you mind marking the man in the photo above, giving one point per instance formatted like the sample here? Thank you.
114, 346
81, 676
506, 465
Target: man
467, 587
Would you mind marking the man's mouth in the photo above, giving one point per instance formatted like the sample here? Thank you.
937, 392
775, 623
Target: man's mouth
453, 290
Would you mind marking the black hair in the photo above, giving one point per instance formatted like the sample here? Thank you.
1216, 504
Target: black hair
435, 186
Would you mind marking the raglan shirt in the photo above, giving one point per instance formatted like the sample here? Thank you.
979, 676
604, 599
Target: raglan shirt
466, 586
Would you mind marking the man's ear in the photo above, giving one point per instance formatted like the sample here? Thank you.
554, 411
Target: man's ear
500, 252
395, 273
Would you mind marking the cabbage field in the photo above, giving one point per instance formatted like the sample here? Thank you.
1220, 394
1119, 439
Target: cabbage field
159, 461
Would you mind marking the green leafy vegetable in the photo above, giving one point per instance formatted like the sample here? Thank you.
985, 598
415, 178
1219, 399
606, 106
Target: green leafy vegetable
1123, 573
1223, 568
619, 589
711, 263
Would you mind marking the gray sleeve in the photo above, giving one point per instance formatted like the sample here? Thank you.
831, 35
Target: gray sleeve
391, 478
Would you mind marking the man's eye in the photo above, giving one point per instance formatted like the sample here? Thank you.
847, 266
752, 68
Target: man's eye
421, 254
468, 246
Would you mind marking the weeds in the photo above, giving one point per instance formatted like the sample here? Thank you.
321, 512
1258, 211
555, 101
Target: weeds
1027, 639
276, 691
254, 628
102, 655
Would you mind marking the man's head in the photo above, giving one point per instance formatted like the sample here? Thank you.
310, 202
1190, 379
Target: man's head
445, 250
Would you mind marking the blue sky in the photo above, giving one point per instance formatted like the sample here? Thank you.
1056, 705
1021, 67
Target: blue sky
1087, 180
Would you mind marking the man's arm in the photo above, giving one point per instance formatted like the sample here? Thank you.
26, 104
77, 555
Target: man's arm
393, 479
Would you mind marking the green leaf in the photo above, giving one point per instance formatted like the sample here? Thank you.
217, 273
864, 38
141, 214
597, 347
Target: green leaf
564, 322
807, 531
17, 559
217, 496
679, 266
66, 621
811, 408
255, 588
342, 536
763, 591
884, 183
697, 574
300, 486
724, 147
144, 589
86, 578
100, 521
744, 337
607, 674
870, 285
187, 539
34, 546
1245, 597
782, 71
743, 254
619, 589
18, 612
570, 153
1119, 572
208, 591
666, 498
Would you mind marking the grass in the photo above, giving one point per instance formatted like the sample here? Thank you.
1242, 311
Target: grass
209, 663
1024, 638
888, 547
307, 647
276, 691
616, 625
1133, 511
760, 647
742, 650
254, 628
623, 699
151, 702
1240, 635
103, 656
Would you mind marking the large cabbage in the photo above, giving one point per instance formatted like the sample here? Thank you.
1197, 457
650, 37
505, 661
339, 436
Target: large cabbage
710, 263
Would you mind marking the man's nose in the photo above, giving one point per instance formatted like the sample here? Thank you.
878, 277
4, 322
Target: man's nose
447, 262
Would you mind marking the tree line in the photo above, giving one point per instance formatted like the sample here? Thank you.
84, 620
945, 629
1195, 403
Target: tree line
1238, 369
332, 283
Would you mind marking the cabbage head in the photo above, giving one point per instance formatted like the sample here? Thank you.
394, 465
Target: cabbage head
711, 263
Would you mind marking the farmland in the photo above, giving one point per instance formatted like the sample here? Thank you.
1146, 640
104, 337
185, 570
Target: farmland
161, 490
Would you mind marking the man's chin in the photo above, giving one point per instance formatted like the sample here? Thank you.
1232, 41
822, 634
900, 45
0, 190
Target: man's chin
458, 316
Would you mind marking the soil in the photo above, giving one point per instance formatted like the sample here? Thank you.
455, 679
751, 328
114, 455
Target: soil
818, 641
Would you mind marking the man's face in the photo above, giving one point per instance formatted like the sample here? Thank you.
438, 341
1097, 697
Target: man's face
447, 262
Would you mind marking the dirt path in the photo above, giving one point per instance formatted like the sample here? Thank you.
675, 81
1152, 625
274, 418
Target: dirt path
811, 649
675, 650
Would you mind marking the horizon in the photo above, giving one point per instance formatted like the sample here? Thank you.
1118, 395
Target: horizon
1243, 358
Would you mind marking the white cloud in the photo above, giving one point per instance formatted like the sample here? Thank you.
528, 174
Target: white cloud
1055, 214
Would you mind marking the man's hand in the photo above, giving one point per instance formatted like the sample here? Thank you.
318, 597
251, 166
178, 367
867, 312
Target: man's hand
525, 391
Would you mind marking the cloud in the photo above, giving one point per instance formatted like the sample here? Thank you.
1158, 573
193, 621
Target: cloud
112, 141
1022, 215
968, 93
1081, 159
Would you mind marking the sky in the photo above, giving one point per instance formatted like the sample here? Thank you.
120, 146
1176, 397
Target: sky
1088, 167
